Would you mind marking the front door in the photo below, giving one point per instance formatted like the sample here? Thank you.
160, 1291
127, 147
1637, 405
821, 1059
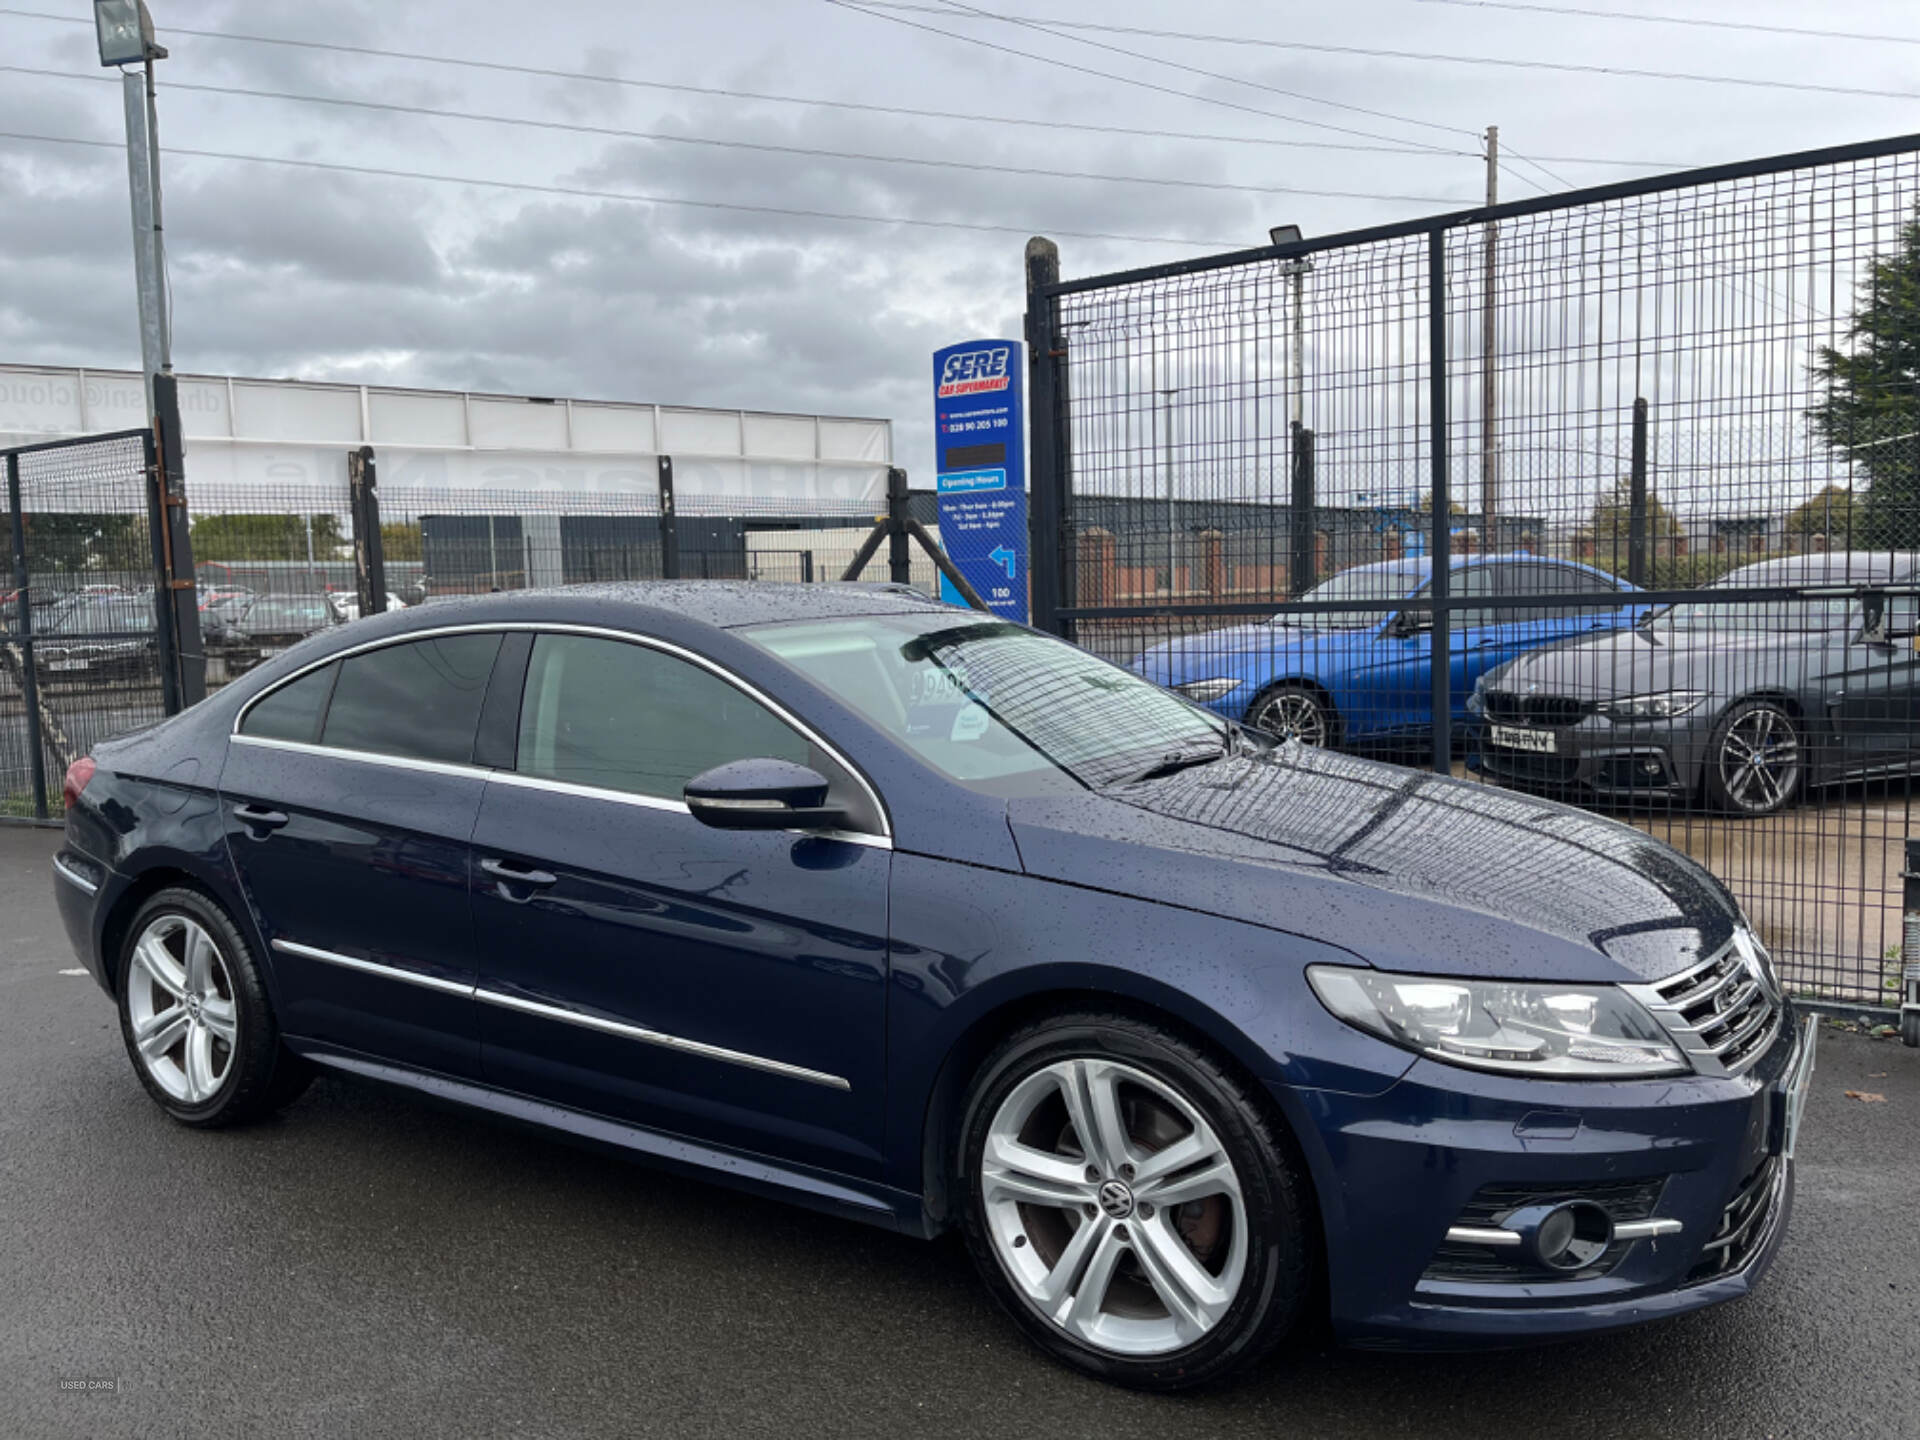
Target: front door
724, 985
349, 798
1874, 703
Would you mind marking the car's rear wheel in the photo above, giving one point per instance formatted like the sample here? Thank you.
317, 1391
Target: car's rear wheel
195, 1015
1130, 1204
1293, 712
1756, 760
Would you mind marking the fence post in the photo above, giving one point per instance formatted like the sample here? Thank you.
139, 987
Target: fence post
899, 555
166, 640
1302, 570
363, 513
1637, 498
669, 524
1442, 547
1050, 567
182, 609
29, 682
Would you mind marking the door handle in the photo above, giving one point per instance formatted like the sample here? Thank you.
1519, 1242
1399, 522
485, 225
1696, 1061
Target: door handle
508, 873
265, 822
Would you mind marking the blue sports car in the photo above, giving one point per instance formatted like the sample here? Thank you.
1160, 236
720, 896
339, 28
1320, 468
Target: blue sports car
937, 922
1358, 676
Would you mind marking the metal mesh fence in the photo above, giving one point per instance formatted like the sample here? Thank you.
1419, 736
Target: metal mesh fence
80, 638
1636, 524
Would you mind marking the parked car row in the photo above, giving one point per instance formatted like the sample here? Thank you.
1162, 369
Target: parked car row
1745, 706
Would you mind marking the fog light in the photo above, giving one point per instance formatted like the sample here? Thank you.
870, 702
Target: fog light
1569, 1236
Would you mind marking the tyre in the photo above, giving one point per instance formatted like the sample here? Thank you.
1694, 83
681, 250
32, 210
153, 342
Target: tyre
1756, 760
1293, 712
1910, 1027
195, 1017
1130, 1205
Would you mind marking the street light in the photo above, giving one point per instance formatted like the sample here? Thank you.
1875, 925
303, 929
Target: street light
125, 31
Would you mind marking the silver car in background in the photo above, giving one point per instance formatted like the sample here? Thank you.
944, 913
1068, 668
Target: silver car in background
1745, 706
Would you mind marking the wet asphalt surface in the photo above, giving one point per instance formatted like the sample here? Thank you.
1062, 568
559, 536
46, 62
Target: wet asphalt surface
367, 1265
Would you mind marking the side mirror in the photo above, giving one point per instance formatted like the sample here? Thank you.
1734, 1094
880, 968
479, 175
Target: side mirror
761, 794
1873, 618
1406, 624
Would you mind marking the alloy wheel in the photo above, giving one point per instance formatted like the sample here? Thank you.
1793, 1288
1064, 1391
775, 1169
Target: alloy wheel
180, 1002
1292, 715
1759, 760
1114, 1207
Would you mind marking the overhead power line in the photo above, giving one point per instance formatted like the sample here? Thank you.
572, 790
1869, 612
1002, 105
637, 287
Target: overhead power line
1424, 57
664, 137
1058, 63
541, 72
583, 192
1754, 26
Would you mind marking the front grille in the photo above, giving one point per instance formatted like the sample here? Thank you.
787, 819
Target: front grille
1492, 1204
1511, 709
1722, 1012
1743, 1225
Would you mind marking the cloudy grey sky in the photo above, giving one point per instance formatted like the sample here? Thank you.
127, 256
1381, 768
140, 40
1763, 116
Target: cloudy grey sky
279, 270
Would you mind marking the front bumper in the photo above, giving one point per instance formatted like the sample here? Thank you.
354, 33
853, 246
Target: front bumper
1396, 1170
1601, 757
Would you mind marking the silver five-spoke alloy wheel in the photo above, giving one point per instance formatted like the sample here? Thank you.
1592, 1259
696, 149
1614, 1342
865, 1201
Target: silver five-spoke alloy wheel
1292, 715
1759, 760
1114, 1208
180, 1004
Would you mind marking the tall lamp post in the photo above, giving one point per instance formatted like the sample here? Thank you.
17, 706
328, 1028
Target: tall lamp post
124, 30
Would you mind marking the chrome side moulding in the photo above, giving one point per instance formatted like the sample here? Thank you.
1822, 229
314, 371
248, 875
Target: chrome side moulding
372, 967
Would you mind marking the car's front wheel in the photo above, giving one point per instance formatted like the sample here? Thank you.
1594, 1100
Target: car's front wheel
1756, 760
1293, 712
195, 1016
1131, 1205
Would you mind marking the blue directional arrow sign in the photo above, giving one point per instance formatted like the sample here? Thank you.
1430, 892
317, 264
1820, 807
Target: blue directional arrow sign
980, 432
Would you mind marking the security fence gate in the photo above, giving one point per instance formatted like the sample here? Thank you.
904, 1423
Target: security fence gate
1612, 496
87, 649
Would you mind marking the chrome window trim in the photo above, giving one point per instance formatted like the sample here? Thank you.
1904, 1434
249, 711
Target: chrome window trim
74, 877
655, 1037
571, 1017
884, 839
371, 967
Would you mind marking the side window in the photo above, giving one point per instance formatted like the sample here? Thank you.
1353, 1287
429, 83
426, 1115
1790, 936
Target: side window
293, 711
1546, 580
420, 699
1472, 583
625, 717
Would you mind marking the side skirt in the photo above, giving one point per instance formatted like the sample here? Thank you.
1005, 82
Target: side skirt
817, 1190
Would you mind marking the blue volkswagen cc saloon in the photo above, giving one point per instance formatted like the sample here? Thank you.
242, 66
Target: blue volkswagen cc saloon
1364, 676
933, 921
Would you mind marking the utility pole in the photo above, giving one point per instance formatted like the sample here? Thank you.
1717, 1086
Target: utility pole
124, 31
1489, 405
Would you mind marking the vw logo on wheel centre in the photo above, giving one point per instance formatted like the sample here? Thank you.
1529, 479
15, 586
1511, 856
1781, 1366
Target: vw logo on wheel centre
1116, 1199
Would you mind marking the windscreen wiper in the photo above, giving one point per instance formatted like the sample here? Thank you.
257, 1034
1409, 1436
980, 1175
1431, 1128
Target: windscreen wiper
1175, 761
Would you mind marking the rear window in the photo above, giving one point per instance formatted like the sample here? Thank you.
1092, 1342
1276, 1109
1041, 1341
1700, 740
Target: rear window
419, 700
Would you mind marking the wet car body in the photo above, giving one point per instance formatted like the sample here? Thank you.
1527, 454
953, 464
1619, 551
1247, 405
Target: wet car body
892, 962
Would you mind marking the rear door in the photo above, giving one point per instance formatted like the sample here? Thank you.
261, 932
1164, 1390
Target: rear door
349, 798
721, 984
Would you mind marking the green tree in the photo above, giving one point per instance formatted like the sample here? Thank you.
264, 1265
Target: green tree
1832, 514
401, 541
1612, 521
1871, 409
265, 537
73, 541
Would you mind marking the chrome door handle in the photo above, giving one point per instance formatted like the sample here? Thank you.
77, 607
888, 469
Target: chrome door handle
510, 874
254, 818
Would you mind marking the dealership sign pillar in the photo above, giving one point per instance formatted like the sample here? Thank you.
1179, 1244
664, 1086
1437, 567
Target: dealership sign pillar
980, 433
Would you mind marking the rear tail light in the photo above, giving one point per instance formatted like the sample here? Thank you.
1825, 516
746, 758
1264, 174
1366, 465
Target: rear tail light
78, 774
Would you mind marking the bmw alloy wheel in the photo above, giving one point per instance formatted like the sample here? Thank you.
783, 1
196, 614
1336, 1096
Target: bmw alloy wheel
1292, 714
1113, 1207
185, 1023
1758, 760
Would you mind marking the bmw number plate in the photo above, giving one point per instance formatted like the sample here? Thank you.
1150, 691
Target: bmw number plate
66, 665
1516, 737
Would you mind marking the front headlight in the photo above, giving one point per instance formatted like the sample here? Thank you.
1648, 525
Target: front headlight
1564, 1032
1667, 705
1207, 691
